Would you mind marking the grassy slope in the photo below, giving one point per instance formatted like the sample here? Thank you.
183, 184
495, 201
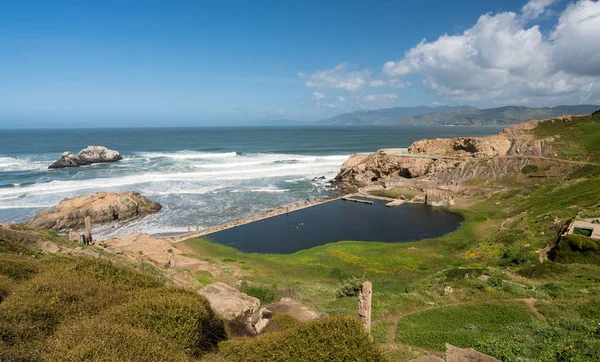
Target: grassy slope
409, 278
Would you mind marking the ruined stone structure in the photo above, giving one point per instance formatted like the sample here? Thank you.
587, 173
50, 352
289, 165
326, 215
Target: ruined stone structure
364, 305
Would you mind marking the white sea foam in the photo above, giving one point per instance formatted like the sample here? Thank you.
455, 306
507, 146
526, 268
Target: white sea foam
187, 155
21, 164
194, 188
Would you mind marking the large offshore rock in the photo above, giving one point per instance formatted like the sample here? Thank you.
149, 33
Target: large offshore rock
87, 156
68, 159
99, 154
102, 207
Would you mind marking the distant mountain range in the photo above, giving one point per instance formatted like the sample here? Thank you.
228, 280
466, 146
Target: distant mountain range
461, 115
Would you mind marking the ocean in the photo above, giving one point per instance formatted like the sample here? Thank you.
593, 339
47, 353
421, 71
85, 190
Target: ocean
201, 176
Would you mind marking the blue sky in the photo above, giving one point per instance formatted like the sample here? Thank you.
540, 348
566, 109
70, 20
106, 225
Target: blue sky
127, 63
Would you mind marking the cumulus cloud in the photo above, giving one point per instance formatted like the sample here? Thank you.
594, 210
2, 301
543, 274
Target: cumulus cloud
342, 99
329, 105
380, 97
339, 77
316, 96
576, 39
534, 8
392, 82
501, 57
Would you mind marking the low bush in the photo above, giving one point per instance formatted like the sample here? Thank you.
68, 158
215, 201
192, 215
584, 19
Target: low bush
543, 270
577, 249
530, 169
281, 322
122, 276
552, 289
337, 338
265, 294
587, 171
350, 287
17, 268
182, 317
38, 306
6, 285
96, 339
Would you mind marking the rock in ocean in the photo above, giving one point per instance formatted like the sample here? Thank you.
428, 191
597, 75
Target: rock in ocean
102, 207
87, 156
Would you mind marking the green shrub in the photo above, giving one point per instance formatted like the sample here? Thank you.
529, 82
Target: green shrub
332, 339
281, 322
36, 307
577, 249
587, 171
203, 277
496, 283
552, 289
6, 285
124, 277
96, 339
543, 270
350, 287
265, 294
530, 169
182, 317
517, 258
16, 267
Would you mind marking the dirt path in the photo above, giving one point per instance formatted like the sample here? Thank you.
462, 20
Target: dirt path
531, 304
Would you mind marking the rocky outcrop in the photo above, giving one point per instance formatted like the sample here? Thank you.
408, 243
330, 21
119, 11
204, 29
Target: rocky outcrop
360, 170
514, 140
87, 156
102, 207
228, 302
451, 160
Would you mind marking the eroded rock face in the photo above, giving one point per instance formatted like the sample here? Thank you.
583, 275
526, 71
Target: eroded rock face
451, 160
360, 170
87, 156
102, 207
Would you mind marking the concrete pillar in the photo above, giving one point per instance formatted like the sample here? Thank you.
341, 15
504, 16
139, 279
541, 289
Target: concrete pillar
364, 305
88, 229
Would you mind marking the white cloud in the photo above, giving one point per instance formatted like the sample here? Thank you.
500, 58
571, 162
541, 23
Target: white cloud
501, 58
393, 82
534, 8
316, 96
342, 99
339, 77
576, 39
329, 105
380, 97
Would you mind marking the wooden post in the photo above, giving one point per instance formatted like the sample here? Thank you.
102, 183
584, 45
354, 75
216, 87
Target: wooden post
88, 229
364, 305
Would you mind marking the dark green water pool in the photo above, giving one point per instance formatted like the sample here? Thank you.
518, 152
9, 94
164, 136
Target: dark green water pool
336, 221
